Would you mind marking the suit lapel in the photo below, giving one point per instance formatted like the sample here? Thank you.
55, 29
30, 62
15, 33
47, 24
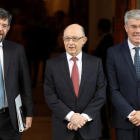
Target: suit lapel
126, 52
65, 69
7, 51
85, 69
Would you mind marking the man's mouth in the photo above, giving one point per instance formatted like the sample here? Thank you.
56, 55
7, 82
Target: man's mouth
137, 35
71, 47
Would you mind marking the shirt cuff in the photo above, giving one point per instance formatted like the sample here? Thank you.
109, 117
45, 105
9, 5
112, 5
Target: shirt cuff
68, 117
86, 116
129, 116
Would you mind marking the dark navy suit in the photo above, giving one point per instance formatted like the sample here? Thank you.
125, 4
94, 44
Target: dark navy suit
124, 85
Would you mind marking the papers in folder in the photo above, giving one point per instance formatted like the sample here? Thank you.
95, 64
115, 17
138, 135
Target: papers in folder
20, 113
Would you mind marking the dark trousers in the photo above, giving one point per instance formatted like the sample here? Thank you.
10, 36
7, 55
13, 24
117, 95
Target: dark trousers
7, 132
78, 136
128, 134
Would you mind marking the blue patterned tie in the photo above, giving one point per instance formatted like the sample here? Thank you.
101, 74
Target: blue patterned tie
137, 61
1, 89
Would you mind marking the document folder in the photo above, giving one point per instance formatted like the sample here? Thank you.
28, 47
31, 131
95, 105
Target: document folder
20, 113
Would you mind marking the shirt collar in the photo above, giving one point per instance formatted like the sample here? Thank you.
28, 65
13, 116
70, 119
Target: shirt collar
1, 44
131, 46
79, 56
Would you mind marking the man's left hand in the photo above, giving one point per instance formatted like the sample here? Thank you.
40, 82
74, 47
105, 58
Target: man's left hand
135, 119
28, 123
71, 126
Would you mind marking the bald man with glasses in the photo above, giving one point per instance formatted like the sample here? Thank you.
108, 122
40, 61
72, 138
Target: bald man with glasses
75, 88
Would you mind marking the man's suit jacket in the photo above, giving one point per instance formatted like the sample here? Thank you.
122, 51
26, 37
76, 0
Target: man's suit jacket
16, 75
123, 85
61, 98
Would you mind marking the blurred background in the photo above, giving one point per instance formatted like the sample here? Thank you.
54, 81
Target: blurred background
39, 26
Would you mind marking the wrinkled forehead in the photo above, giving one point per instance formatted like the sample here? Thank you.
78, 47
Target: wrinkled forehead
73, 31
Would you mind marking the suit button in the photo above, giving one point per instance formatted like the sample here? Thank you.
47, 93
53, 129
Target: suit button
137, 100
138, 86
77, 102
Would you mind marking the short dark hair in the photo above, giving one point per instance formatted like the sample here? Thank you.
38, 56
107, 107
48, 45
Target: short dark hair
5, 15
104, 25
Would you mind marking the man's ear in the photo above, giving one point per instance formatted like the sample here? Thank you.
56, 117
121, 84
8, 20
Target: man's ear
8, 28
126, 27
85, 40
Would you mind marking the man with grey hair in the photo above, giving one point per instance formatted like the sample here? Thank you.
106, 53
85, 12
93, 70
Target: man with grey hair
123, 74
14, 73
75, 89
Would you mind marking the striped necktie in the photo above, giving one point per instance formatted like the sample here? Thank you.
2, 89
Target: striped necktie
137, 61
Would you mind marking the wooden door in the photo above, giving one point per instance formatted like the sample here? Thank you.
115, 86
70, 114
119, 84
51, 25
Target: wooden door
121, 6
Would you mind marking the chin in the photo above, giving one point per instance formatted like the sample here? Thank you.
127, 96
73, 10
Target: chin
137, 43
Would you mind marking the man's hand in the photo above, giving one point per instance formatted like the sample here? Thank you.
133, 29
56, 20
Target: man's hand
70, 126
77, 120
28, 123
135, 119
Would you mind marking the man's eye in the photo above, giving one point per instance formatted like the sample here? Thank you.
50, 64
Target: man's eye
4, 26
67, 38
134, 26
75, 38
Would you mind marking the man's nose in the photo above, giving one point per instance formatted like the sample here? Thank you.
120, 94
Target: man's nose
71, 41
138, 29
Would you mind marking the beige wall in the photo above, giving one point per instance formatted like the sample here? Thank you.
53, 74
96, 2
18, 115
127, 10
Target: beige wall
55, 5
98, 9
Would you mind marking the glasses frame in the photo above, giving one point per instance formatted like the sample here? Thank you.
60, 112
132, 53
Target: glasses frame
4, 26
72, 38
133, 27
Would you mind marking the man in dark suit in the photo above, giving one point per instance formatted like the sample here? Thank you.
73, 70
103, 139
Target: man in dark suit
75, 89
104, 26
14, 72
123, 69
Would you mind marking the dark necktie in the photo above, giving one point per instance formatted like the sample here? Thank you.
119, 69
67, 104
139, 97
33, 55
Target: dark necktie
137, 61
75, 76
1, 89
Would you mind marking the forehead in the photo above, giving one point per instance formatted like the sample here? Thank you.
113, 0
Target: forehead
3, 21
133, 21
73, 31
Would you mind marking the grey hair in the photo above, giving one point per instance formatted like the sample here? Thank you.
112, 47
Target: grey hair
135, 14
5, 15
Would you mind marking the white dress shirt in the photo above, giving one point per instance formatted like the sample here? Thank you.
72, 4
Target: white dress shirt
132, 52
2, 66
79, 65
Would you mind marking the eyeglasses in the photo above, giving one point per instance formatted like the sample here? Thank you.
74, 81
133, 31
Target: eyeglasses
74, 38
4, 26
134, 26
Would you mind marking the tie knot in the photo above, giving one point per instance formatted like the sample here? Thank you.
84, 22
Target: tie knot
74, 59
137, 49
